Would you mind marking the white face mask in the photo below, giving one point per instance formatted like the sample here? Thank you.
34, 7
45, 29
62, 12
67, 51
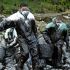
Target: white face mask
24, 12
58, 24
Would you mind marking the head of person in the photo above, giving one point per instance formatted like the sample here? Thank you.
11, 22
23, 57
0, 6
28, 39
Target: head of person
23, 8
57, 20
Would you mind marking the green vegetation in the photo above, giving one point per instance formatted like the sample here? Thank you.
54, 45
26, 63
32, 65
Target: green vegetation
36, 6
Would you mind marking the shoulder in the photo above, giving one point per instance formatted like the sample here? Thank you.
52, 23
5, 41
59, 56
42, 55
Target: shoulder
63, 26
14, 17
30, 16
51, 24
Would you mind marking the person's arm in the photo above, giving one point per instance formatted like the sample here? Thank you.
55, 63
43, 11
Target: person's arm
46, 36
33, 24
66, 37
34, 28
67, 40
6, 24
10, 21
3, 25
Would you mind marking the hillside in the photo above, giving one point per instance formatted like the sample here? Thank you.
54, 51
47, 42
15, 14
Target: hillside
36, 6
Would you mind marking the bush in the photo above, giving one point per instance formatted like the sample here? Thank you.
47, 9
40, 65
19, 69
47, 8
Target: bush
36, 6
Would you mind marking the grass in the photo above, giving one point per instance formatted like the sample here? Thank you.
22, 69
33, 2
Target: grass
36, 6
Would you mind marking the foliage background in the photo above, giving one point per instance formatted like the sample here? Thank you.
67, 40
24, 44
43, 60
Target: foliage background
36, 6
